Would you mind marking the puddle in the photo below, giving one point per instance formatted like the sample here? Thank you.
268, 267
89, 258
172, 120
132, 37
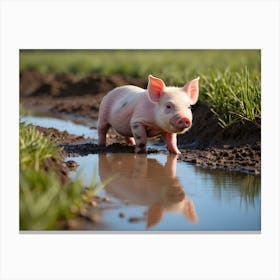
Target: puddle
159, 193
69, 126
156, 192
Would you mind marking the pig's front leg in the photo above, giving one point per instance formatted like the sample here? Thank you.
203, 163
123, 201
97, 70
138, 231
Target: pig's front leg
140, 136
170, 165
170, 140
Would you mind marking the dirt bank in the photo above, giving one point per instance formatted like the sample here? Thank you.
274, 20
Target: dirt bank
207, 144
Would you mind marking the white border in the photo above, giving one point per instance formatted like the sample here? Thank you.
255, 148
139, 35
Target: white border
155, 24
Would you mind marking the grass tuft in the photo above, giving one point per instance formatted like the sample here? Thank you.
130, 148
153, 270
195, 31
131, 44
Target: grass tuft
233, 96
43, 200
34, 147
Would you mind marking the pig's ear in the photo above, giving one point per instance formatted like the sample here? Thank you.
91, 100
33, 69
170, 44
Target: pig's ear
191, 88
189, 211
154, 215
155, 87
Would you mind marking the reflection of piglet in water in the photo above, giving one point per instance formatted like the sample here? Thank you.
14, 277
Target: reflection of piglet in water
144, 181
137, 113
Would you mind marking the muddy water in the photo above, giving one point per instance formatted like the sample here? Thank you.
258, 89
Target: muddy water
61, 125
157, 192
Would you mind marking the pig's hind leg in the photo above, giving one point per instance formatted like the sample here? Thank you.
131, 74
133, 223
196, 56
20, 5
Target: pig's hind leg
140, 136
130, 140
102, 124
102, 129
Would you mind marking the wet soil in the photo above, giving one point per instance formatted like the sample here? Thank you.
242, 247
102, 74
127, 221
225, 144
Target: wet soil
57, 165
60, 137
206, 144
245, 158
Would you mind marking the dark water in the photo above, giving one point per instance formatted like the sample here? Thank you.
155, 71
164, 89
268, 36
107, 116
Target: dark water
157, 192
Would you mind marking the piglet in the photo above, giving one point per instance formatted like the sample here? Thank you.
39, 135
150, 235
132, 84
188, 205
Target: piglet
137, 114
144, 181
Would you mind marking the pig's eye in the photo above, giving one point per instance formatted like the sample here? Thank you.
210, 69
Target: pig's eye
189, 107
168, 106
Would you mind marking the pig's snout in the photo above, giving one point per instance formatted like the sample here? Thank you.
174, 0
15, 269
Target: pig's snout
179, 122
184, 122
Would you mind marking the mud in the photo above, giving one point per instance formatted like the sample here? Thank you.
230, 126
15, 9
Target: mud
60, 137
206, 131
67, 93
91, 148
237, 147
57, 165
244, 158
88, 217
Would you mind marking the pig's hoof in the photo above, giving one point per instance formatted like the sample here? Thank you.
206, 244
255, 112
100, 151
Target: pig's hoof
174, 152
141, 151
140, 148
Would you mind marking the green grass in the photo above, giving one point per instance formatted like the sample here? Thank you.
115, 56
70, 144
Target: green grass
43, 200
174, 66
230, 79
233, 96
34, 148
